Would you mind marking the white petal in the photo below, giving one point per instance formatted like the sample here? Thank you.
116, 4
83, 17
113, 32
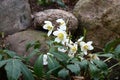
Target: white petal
59, 20
48, 22
62, 27
79, 40
49, 32
82, 43
90, 47
55, 33
57, 40
85, 52
62, 50
45, 62
45, 26
89, 43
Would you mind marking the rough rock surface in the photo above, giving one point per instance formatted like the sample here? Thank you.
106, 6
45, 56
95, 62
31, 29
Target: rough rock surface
93, 15
54, 14
111, 19
17, 42
15, 15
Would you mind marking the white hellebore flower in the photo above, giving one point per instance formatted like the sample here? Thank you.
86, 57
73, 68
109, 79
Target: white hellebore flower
73, 50
48, 26
86, 46
67, 42
61, 35
62, 24
45, 62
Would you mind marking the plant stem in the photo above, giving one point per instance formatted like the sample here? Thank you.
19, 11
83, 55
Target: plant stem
114, 65
107, 59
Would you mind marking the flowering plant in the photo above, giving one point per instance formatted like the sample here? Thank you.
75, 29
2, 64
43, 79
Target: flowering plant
70, 60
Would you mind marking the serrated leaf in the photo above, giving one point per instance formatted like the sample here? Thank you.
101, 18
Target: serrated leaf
26, 72
10, 53
63, 73
38, 67
74, 68
13, 69
52, 63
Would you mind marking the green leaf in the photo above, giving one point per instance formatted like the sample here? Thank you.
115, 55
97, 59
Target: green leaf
10, 53
34, 44
101, 64
0, 57
94, 71
26, 72
13, 69
117, 52
59, 55
109, 47
83, 64
60, 2
52, 63
3, 62
117, 49
74, 68
106, 55
38, 67
34, 52
63, 73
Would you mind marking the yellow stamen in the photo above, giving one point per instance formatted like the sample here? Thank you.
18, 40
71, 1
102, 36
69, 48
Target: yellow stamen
49, 28
85, 47
74, 49
60, 36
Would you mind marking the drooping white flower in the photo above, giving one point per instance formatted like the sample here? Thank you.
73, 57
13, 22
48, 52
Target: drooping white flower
93, 57
61, 35
48, 26
67, 42
62, 49
86, 46
45, 62
62, 24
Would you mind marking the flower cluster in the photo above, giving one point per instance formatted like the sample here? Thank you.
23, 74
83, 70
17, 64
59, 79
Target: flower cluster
62, 37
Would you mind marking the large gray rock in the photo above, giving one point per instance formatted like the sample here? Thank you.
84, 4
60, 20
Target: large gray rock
54, 14
17, 42
111, 19
15, 15
94, 14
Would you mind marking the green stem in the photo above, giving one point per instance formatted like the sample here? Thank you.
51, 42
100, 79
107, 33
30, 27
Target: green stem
114, 65
107, 59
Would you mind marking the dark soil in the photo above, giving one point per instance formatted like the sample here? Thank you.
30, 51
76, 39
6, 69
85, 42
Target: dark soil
35, 7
